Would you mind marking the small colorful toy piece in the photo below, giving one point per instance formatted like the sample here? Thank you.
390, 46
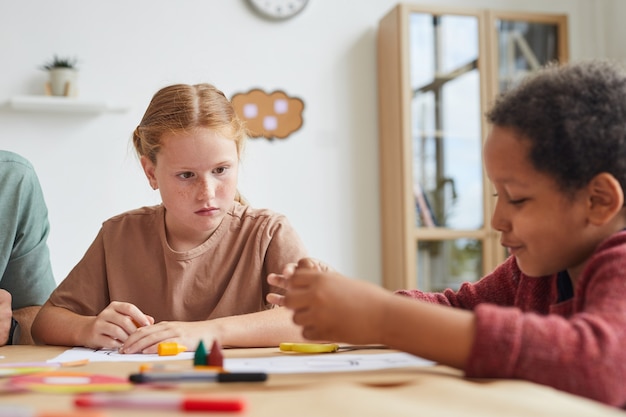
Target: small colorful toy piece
170, 348
216, 358
213, 361
200, 357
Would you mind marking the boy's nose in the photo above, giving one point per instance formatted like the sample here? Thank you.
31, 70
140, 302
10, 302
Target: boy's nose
499, 221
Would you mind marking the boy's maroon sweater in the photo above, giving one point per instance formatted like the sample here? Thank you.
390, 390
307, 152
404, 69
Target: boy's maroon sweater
578, 345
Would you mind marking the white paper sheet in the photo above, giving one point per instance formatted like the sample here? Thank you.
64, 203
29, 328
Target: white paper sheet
324, 362
280, 364
104, 355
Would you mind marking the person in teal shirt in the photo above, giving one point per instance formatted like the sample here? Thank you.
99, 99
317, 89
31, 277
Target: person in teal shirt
26, 278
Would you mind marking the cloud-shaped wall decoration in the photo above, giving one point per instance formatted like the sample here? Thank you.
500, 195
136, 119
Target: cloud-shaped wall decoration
273, 115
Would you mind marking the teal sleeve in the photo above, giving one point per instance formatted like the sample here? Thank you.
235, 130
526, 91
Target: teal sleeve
25, 266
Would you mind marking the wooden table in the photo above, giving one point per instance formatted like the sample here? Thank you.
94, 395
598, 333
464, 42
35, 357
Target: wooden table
420, 391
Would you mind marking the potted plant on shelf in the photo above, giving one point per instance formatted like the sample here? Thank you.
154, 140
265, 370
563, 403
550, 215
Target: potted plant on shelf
63, 76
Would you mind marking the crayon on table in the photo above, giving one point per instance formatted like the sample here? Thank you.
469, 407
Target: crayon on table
20, 411
309, 347
182, 403
66, 364
170, 348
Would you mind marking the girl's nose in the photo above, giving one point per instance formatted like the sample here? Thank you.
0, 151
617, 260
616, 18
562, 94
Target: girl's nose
206, 189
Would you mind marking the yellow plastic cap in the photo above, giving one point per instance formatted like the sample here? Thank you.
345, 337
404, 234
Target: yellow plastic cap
170, 348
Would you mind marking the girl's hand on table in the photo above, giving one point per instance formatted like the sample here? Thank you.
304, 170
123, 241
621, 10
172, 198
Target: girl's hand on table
146, 339
112, 327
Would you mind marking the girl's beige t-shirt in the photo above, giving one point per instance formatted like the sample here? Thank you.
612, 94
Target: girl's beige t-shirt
131, 261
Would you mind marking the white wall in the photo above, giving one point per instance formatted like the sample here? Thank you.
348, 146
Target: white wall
615, 30
324, 177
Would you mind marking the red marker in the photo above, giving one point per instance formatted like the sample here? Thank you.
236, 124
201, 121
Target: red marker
186, 403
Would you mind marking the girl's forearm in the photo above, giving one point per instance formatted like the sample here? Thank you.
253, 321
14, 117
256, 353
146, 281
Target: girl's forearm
261, 329
58, 326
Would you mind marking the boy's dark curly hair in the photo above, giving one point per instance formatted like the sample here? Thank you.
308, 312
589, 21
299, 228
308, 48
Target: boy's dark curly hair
574, 115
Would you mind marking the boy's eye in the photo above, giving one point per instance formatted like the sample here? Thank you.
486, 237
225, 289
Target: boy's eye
512, 200
220, 170
186, 175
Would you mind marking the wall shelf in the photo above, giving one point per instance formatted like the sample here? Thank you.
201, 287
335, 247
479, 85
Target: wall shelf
53, 104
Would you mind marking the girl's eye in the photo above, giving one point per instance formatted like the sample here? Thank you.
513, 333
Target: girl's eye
186, 175
518, 201
220, 170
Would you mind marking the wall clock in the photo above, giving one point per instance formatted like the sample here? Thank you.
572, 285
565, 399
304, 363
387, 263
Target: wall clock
277, 9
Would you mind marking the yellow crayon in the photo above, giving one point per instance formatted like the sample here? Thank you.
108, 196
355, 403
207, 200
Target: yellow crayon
309, 347
170, 348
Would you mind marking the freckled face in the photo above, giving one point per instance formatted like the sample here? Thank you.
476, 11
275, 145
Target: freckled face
196, 173
541, 226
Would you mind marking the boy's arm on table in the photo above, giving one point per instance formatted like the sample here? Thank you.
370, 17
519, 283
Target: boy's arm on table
370, 315
440, 333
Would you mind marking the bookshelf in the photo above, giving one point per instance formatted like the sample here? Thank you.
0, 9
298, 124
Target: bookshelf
438, 71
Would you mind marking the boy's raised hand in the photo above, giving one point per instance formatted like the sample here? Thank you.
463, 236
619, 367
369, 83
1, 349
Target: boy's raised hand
281, 280
330, 306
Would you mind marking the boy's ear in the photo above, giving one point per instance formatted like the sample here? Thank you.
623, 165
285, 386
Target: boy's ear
606, 198
148, 168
